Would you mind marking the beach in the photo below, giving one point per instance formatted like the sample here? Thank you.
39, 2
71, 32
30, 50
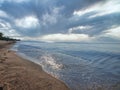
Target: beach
80, 67
17, 73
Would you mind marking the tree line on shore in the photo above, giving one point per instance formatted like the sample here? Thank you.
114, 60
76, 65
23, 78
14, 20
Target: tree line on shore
2, 37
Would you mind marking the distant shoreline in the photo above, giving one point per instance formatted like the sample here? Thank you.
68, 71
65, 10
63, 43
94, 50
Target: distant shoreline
19, 74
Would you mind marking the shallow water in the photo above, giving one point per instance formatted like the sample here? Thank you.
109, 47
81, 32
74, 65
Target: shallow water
80, 66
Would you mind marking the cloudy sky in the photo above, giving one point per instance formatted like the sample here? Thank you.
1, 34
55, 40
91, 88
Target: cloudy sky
61, 20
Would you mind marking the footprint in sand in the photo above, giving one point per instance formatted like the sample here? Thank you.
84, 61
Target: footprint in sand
3, 57
4, 87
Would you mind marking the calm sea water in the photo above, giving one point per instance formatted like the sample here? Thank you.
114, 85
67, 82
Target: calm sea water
80, 66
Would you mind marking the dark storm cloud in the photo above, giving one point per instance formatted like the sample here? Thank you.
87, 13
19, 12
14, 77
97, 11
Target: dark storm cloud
17, 10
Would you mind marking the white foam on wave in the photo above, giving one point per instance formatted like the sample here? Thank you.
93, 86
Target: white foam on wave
15, 47
50, 62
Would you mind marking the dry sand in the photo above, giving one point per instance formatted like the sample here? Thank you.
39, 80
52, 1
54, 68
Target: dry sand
17, 73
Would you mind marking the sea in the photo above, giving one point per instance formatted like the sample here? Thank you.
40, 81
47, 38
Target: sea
81, 66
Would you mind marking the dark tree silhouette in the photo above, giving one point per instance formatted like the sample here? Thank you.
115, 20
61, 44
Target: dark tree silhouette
1, 35
7, 38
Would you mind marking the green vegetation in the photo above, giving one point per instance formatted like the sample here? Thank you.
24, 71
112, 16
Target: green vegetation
1, 35
7, 38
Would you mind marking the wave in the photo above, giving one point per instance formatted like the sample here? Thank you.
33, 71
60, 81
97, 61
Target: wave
49, 61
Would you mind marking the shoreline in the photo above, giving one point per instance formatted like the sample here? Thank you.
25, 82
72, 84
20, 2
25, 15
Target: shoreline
18, 73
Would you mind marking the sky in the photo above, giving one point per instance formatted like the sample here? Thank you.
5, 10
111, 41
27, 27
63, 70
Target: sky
61, 20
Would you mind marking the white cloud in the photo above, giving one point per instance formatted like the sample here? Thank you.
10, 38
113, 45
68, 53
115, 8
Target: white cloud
3, 13
16, 1
71, 30
100, 9
82, 12
66, 37
12, 33
113, 33
7, 29
4, 25
27, 22
51, 18
19, 1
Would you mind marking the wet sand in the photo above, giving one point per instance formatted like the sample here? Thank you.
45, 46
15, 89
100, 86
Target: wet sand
17, 73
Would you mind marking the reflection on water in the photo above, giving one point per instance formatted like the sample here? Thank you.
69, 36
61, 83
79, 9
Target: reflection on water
80, 66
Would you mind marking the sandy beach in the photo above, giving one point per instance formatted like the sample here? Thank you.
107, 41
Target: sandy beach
17, 73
